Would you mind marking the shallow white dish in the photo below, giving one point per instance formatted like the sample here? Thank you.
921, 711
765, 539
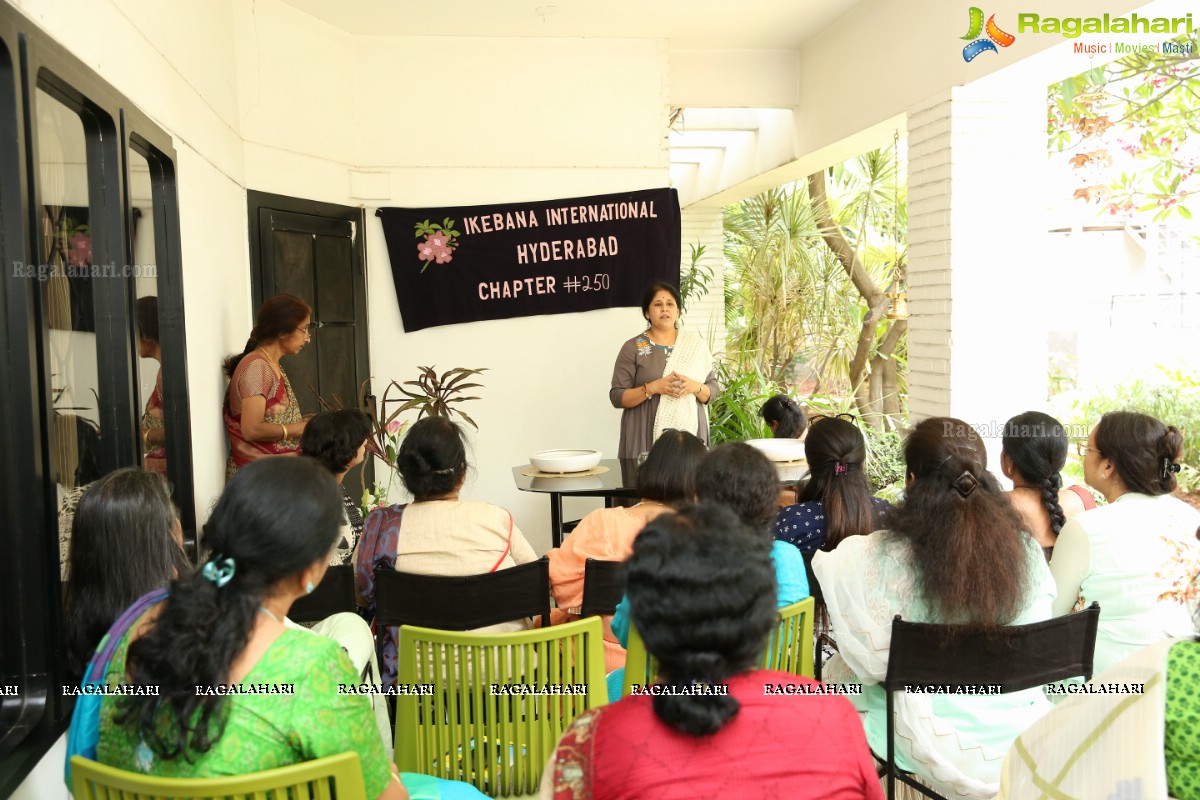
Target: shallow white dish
779, 449
565, 460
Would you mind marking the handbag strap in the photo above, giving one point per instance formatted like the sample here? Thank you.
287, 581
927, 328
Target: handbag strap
108, 645
507, 546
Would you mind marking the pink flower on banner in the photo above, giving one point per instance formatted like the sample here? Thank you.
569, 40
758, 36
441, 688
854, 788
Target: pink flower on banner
79, 253
394, 426
434, 248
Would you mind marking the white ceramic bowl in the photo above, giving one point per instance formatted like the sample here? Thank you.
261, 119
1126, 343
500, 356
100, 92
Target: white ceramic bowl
782, 450
565, 460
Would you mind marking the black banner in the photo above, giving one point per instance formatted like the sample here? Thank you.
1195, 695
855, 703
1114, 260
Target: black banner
468, 263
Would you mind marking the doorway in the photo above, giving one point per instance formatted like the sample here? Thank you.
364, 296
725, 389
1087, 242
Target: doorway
315, 251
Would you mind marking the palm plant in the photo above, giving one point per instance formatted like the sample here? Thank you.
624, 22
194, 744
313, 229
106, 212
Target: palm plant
812, 270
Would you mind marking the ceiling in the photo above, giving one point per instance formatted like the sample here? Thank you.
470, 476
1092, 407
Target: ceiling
685, 23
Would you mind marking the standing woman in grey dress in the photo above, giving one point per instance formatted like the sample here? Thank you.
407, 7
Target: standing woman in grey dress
663, 377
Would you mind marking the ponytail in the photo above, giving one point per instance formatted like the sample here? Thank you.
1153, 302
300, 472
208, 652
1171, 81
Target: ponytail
704, 616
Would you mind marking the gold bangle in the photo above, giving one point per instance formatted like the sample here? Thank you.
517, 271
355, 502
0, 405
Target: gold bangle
646, 389
285, 432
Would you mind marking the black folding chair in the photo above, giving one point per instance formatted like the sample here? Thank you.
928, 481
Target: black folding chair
463, 603
603, 586
1013, 658
334, 594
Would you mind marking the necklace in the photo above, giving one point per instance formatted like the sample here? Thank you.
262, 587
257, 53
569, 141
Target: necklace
1024, 486
267, 611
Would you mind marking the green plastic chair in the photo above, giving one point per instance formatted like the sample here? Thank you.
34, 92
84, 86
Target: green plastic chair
789, 647
498, 743
320, 779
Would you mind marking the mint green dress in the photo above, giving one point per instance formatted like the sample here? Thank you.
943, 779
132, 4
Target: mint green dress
264, 731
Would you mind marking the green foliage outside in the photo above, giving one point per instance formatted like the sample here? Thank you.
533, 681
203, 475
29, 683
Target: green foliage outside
813, 271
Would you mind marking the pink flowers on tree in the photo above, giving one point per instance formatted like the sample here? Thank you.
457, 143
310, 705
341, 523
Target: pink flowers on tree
439, 242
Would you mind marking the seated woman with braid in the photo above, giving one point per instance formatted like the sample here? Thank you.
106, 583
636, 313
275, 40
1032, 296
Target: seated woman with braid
955, 553
705, 617
1035, 450
271, 534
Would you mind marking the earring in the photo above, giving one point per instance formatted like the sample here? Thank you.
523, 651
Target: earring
310, 587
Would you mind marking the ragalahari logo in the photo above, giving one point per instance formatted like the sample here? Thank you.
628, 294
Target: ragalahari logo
994, 37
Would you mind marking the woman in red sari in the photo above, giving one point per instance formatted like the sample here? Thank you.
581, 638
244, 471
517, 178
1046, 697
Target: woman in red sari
262, 415
154, 435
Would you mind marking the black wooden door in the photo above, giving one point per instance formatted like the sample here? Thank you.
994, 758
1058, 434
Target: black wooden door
314, 251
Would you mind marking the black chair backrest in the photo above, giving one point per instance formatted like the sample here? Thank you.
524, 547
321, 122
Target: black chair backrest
334, 594
463, 603
1013, 658
603, 586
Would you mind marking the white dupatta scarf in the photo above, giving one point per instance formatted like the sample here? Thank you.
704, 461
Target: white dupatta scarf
689, 357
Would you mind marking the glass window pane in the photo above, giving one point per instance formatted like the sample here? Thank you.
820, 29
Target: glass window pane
65, 282
149, 348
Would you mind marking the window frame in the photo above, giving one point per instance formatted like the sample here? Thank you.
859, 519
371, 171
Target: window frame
32, 646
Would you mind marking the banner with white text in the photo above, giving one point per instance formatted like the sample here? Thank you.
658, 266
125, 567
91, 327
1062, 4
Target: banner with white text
469, 263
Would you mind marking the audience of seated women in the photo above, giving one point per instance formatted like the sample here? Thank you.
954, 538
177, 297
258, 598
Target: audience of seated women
338, 440
437, 533
836, 501
666, 479
1136, 556
1035, 450
126, 541
270, 535
955, 552
702, 591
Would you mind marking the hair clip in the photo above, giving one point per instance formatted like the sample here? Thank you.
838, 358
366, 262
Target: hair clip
220, 570
840, 468
965, 484
1168, 467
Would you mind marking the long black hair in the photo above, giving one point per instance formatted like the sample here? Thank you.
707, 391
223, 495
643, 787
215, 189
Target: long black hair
276, 517
788, 419
701, 588
968, 541
122, 546
836, 451
1037, 445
